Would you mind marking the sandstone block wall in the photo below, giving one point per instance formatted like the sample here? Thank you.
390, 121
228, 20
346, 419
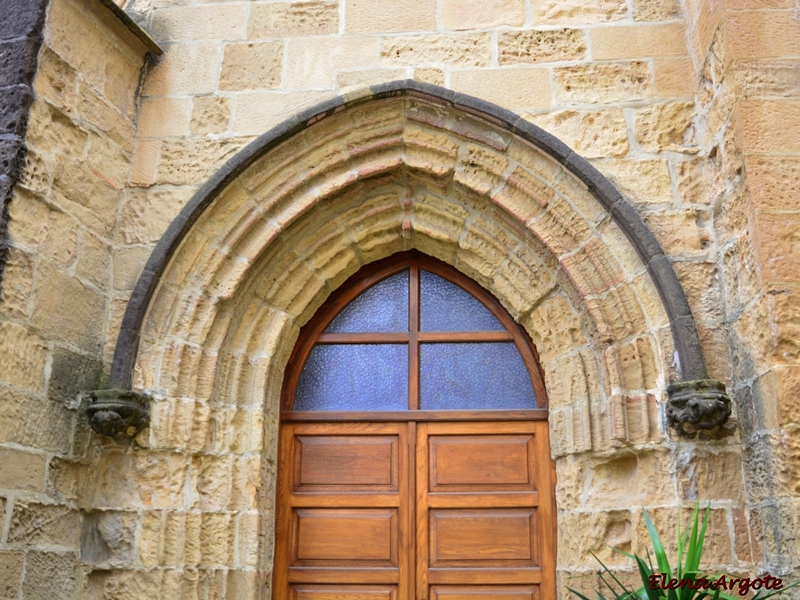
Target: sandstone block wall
58, 294
747, 116
688, 107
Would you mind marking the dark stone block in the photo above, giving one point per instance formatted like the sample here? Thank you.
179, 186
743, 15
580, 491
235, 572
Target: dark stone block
697, 404
21, 18
11, 157
14, 104
18, 61
73, 373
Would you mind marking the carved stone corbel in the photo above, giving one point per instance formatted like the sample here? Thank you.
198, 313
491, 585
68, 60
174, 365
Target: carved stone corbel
697, 404
119, 413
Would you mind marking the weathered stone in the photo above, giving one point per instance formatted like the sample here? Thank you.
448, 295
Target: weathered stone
22, 470
56, 81
128, 265
493, 13
147, 214
385, 16
656, 10
613, 480
223, 21
700, 281
107, 538
39, 226
34, 422
666, 127
17, 283
311, 63
283, 19
86, 196
473, 49
68, 310
103, 116
51, 575
216, 539
50, 129
638, 41
684, 231
251, 66
93, 264
583, 534
184, 69
10, 572
555, 328
706, 476
44, 524
178, 163
593, 134
36, 172
607, 82
641, 181
164, 117
211, 114
23, 357
540, 46
576, 12
772, 179
429, 75
515, 89
698, 181
368, 77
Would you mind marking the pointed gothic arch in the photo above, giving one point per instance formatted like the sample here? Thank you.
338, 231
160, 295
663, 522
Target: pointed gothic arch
260, 246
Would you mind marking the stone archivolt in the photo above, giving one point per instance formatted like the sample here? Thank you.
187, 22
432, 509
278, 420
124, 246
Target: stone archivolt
390, 175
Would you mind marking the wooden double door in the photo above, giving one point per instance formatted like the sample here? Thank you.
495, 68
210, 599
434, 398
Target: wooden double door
424, 510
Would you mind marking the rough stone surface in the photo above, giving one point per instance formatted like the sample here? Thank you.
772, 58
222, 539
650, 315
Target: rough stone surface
251, 66
44, 524
21, 470
593, 134
593, 83
10, 572
573, 12
280, 19
540, 46
51, 575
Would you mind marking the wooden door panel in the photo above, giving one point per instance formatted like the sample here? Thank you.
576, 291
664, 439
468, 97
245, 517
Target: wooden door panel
403, 510
484, 593
483, 538
478, 511
345, 538
344, 512
342, 592
346, 463
481, 463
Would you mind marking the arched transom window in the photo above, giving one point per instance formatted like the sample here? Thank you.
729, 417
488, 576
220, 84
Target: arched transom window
411, 333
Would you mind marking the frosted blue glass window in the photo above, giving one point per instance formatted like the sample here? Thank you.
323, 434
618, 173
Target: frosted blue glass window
446, 307
354, 377
383, 307
465, 376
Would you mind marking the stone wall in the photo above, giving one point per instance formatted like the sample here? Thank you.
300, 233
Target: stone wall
58, 291
749, 62
687, 107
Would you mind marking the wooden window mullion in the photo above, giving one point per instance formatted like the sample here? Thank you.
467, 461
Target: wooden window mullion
413, 337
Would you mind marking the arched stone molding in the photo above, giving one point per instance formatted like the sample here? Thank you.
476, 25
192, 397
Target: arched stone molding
468, 182
220, 304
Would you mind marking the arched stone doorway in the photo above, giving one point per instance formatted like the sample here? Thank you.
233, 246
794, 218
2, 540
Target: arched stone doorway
408, 166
